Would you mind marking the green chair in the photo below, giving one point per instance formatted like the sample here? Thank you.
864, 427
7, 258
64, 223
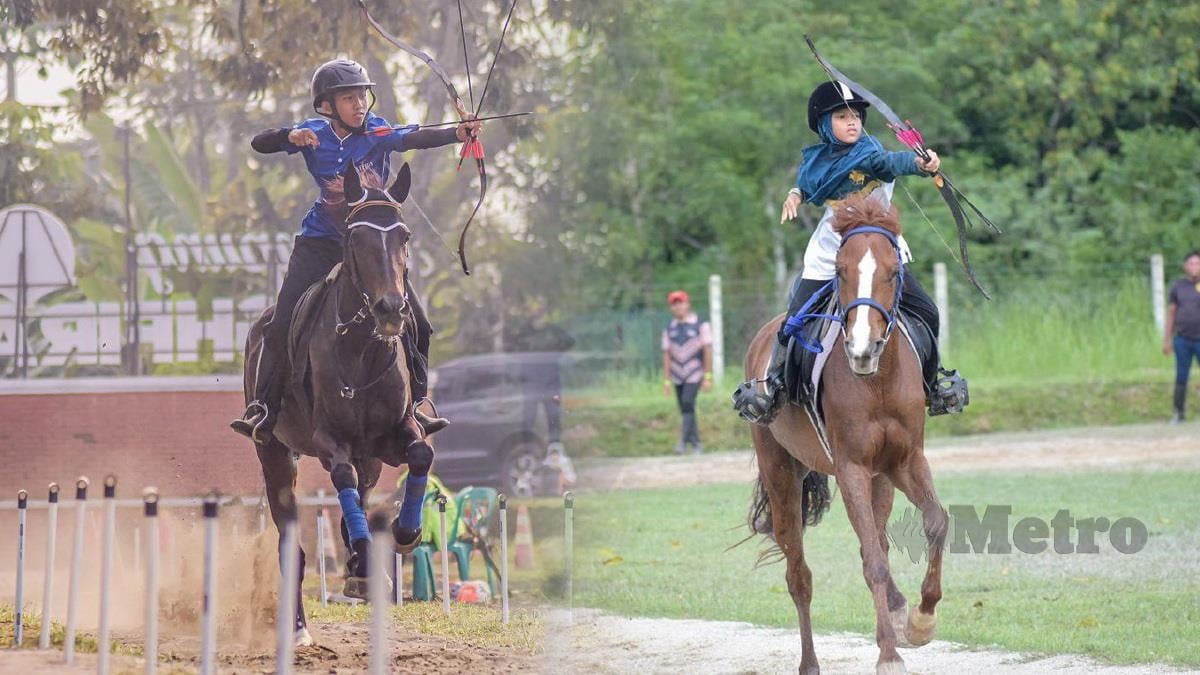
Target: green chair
476, 515
476, 511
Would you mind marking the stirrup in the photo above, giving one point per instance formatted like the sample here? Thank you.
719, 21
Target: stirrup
250, 424
754, 406
949, 394
430, 425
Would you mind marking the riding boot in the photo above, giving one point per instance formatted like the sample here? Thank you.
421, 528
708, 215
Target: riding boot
258, 421
418, 366
1180, 400
946, 391
760, 407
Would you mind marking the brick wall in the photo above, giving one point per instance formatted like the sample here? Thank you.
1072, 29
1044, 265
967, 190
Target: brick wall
172, 433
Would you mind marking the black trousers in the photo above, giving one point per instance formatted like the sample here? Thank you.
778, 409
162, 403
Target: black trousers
685, 396
913, 298
311, 260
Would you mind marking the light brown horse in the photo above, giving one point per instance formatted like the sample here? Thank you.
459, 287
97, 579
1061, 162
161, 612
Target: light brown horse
874, 405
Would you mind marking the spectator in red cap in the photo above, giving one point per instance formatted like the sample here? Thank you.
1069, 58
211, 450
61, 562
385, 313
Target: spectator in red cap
687, 365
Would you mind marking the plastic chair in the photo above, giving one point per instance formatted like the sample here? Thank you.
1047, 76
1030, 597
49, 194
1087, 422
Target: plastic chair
476, 511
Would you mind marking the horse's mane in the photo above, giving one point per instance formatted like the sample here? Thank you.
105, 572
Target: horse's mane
334, 193
865, 210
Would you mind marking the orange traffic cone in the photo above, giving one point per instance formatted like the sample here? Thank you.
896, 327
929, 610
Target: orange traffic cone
524, 539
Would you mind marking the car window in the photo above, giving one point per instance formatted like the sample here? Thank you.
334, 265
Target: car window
491, 383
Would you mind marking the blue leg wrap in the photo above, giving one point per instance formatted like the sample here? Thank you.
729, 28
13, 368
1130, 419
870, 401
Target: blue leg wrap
356, 518
414, 499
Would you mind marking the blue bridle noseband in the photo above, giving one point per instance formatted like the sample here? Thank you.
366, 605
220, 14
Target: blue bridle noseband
794, 325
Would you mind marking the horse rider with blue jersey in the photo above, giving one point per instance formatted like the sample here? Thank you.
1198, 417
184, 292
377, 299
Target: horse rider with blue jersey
346, 132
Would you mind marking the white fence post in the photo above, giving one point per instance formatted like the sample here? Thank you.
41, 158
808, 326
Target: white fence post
717, 322
941, 297
1157, 292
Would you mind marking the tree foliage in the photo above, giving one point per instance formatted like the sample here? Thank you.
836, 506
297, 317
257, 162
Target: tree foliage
667, 133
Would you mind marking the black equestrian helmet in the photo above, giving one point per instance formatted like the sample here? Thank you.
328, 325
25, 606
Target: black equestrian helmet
827, 97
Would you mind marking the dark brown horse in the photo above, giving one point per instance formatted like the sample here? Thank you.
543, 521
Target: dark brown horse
874, 406
348, 403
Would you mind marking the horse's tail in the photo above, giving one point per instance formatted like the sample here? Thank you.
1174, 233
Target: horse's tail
814, 500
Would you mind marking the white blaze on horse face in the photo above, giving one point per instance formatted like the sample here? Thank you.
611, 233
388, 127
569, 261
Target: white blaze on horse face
860, 331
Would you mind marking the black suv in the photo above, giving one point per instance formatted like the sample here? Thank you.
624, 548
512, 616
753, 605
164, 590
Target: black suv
485, 444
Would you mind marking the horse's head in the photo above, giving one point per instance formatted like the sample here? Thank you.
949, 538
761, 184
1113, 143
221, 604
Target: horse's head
376, 243
869, 276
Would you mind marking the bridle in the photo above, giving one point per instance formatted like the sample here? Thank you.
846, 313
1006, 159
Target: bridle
341, 328
891, 315
794, 325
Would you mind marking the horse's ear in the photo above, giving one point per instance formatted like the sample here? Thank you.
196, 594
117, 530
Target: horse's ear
399, 189
352, 184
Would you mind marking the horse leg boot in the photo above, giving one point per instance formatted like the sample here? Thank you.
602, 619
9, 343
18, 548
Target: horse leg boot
406, 528
418, 366
356, 533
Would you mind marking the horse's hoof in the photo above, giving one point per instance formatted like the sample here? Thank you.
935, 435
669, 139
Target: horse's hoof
899, 618
891, 668
921, 627
406, 539
303, 638
356, 587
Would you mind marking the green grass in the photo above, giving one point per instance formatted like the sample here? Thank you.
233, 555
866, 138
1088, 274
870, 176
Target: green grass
85, 643
662, 553
633, 418
1047, 352
1046, 329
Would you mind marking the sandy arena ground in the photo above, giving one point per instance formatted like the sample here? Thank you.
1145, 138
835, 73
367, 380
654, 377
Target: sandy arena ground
592, 642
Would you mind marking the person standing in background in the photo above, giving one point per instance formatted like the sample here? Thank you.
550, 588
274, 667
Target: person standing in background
1182, 329
687, 365
541, 346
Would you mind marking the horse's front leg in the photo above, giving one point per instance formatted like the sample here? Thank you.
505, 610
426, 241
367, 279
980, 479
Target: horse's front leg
406, 528
855, 483
354, 519
279, 474
916, 481
883, 495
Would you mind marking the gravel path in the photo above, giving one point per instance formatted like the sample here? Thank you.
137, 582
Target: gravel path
1148, 446
601, 643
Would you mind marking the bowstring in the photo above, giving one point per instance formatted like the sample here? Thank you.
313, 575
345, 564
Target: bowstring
496, 57
432, 228
462, 29
933, 227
